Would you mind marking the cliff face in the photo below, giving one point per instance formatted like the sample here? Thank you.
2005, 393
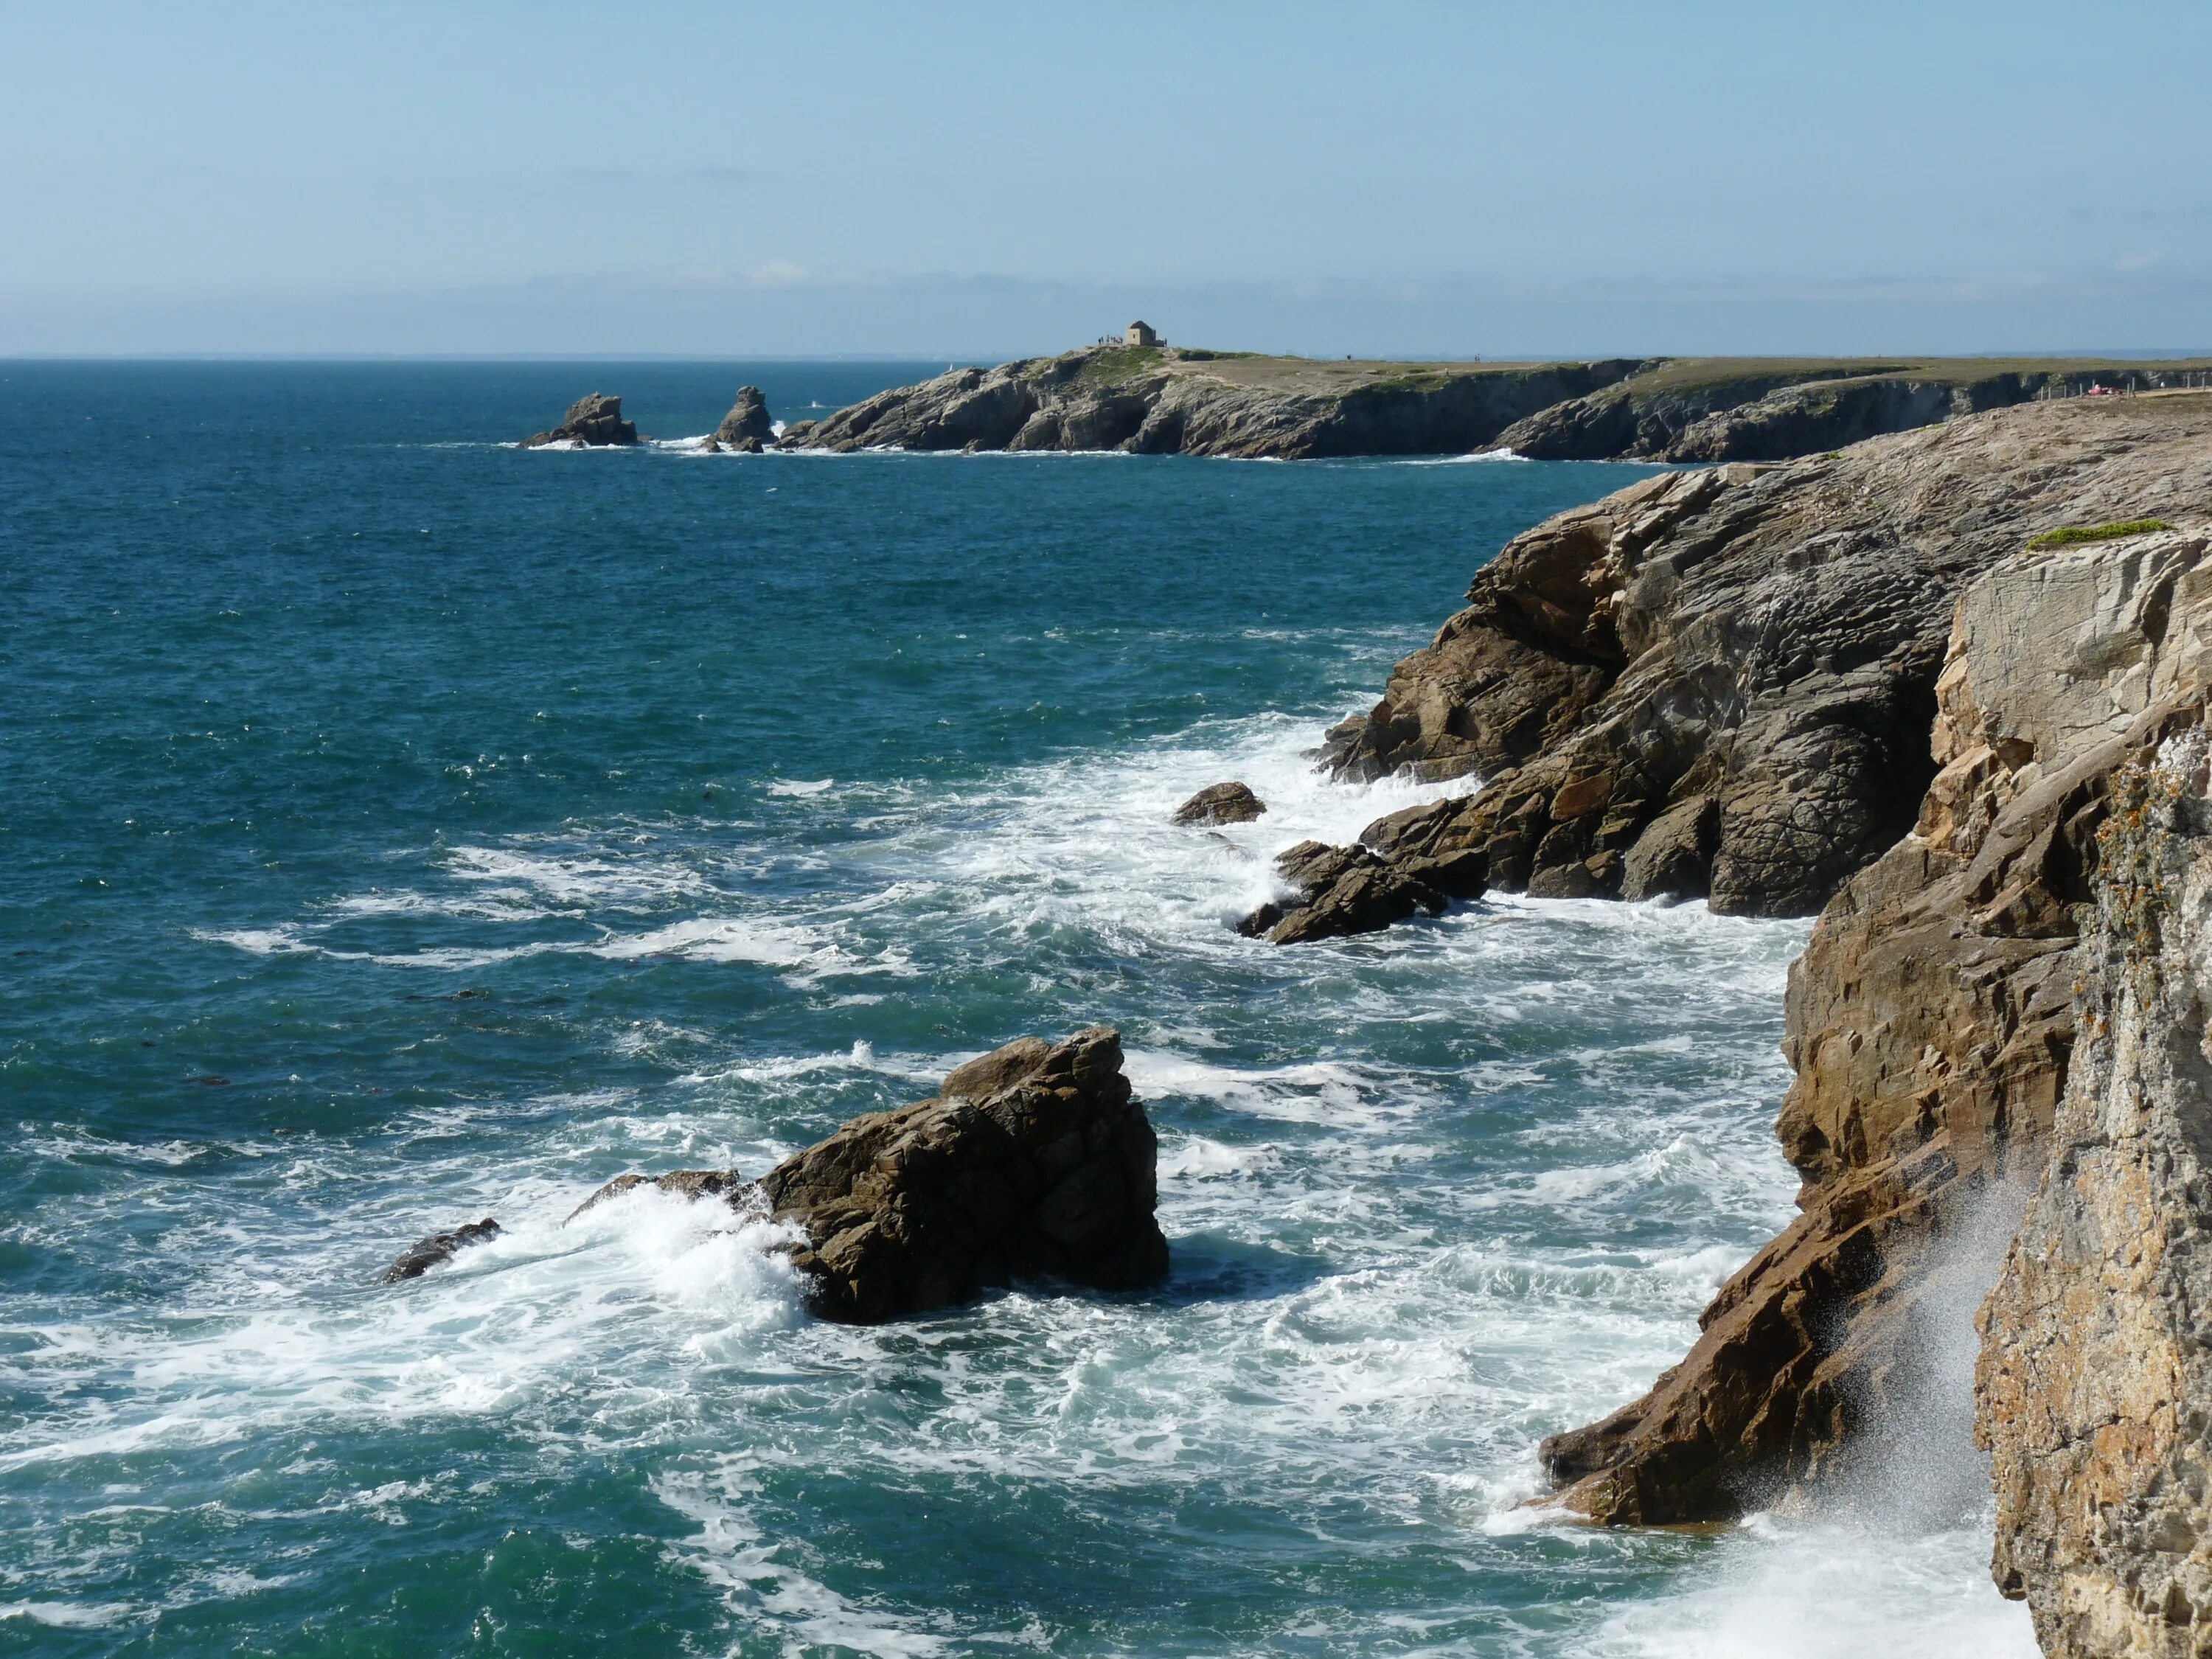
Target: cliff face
1841, 677
1156, 403
2095, 1383
1929, 1023
1722, 682
1153, 400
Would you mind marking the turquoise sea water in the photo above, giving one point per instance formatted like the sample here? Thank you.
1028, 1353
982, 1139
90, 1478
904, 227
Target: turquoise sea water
398, 828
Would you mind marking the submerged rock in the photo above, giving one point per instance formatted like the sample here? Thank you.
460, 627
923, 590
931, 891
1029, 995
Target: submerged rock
426, 1253
747, 427
594, 420
1035, 1161
1221, 803
726, 1184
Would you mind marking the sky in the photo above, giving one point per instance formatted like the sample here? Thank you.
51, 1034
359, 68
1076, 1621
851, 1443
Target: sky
984, 180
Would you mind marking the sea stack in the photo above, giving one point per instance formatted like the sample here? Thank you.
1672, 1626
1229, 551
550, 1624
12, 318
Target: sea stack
594, 421
747, 427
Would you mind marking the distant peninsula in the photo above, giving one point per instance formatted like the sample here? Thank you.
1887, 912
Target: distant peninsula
1157, 399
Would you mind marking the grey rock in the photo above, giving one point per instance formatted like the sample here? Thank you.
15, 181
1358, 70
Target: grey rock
426, 1253
747, 427
594, 420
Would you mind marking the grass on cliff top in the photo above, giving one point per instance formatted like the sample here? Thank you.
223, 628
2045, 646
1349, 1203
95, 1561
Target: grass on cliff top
1116, 364
2068, 535
1690, 373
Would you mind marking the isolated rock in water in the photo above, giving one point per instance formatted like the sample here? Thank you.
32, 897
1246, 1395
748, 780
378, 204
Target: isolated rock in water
595, 420
726, 1184
1355, 890
1032, 1161
1037, 1161
426, 1253
746, 427
1221, 803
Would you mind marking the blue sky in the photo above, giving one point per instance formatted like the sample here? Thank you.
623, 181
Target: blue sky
987, 180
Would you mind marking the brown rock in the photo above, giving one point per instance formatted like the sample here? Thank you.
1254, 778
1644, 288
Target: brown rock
1049, 1175
2094, 1387
1221, 803
1765, 639
1340, 890
1929, 1023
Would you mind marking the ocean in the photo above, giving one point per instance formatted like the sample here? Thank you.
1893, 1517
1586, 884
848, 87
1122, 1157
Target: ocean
398, 828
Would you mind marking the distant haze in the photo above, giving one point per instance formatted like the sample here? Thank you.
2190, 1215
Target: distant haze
984, 180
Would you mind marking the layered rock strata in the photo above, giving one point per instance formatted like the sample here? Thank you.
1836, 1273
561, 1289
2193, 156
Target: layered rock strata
1155, 400
1929, 1023
1721, 683
1035, 1161
594, 420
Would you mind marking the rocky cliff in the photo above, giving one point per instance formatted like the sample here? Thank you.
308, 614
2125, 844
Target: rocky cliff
2094, 1387
1157, 400
1721, 683
1846, 679
1929, 1023
2095, 1383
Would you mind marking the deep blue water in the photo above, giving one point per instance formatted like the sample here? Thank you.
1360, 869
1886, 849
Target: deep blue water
396, 827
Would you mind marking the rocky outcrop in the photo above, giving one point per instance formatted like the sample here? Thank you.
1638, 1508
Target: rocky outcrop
1339, 891
1157, 400
1033, 1162
1153, 401
1221, 803
1929, 1023
2094, 1387
594, 421
1721, 683
425, 1253
746, 429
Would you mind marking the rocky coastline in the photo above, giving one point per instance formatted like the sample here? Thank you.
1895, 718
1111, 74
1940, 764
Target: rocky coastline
1851, 685
1152, 400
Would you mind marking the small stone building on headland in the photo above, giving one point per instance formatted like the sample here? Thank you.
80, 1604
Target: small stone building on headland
1140, 334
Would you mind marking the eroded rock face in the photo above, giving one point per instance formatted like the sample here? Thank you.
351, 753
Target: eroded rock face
594, 420
1037, 1162
1929, 1023
747, 427
2094, 1389
1722, 682
1221, 803
1033, 1161
425, 1253
1156, 403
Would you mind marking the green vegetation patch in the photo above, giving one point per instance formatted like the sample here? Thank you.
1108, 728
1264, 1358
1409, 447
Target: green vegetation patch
1120, 363
2069, 534
1196, 355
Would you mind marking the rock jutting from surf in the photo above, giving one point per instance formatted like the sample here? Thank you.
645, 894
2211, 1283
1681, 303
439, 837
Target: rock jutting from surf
1035, 1161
